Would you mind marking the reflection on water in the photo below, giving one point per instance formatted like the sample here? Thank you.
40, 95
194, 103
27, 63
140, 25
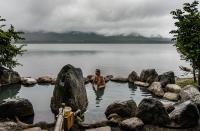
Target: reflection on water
9, 91
99, 92
100, 99
38, 95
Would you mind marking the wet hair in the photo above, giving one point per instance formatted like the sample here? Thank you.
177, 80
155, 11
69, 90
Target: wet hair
98, 70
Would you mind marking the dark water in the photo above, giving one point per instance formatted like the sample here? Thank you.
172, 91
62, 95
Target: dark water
115, 59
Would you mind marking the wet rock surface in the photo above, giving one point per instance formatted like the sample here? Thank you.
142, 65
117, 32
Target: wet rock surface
9, 126
16, 107
152, 111
188, 92
148, 75
156, 89
132, 124
169, 107
171, 96
133, 76
8, 77
125, 109
166, 78
46, 80
69, 89
119, 79
142, 84
173, 88
185, 115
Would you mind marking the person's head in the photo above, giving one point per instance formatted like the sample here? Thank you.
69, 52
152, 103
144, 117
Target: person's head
98, 72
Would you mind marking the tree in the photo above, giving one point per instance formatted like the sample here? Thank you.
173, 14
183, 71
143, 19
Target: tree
187, 34
8, 50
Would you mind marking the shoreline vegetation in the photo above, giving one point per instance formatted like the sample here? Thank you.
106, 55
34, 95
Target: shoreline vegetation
82, 37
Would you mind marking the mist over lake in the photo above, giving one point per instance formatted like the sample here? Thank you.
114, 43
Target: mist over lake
115, 59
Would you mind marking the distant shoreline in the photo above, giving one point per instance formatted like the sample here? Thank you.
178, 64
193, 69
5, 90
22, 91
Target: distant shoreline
90, 38
90, 43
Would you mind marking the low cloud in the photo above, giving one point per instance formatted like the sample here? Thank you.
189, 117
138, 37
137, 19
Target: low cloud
146, 17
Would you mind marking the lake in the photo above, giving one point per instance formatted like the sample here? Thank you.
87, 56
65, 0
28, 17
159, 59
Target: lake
112, 59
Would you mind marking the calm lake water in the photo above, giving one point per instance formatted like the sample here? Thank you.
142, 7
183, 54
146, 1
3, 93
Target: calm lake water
114, 59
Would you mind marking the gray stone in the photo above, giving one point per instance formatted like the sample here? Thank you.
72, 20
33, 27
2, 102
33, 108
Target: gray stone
9, 126
8, 77
106, 128
133, 76
33, 129
166, 78
173, 88
156, 89
171, 96
185, 115
132, 124
142, 84
16, 107
152, 111
28, 81
148, 75
69, 89
169, 107
190, 92
125, 109
46, 80
119, 79
114, 118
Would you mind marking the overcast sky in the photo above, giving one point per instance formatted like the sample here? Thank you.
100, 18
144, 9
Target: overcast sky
146, 17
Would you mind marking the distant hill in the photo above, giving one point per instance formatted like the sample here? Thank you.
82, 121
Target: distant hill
80, 37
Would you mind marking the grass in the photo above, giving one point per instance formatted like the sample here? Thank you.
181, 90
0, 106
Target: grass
185, 81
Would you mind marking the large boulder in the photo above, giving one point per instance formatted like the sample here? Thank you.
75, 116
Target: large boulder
69, 89
156, 89
173, 88
171, 96
16, 107
132, 124
133, 76
190, 92
185, 115
166, 78
148, 75
124, 109
152, 111
8, 76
